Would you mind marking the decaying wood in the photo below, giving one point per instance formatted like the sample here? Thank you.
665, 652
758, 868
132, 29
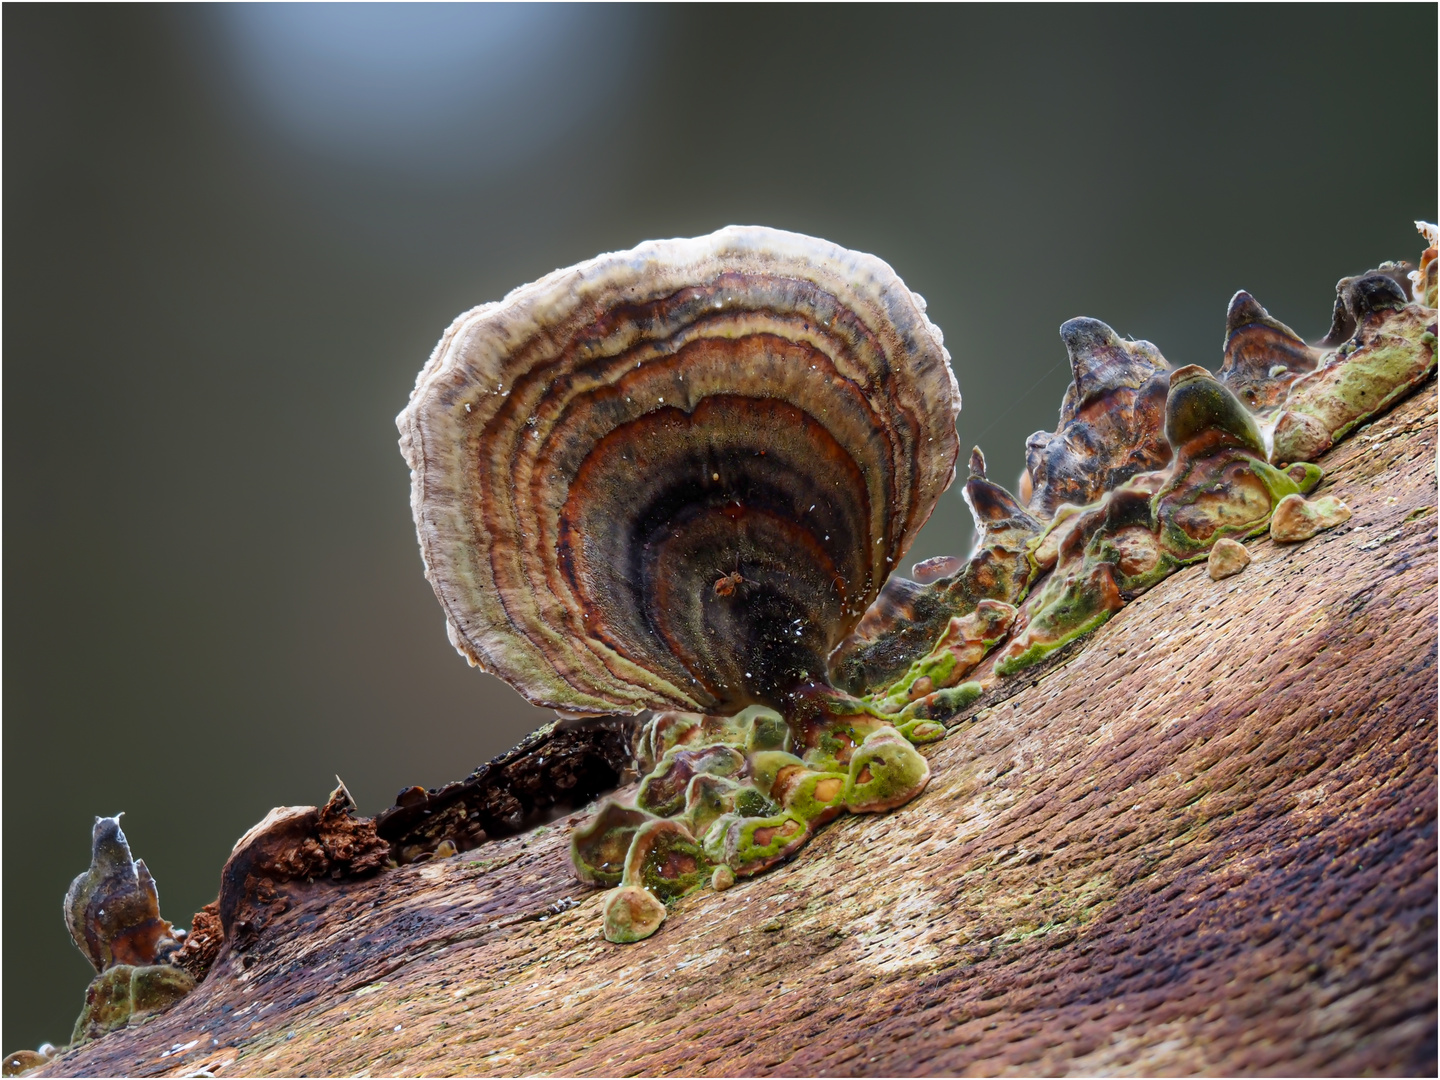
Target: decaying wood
1204, 843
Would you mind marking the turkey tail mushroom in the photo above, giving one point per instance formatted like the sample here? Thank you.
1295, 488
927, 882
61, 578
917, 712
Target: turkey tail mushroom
675, 477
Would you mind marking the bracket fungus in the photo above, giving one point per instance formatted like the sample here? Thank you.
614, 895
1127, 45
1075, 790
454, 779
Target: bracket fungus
590, 454
679, 479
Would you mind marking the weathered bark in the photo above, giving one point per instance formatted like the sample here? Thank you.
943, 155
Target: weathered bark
1203, 843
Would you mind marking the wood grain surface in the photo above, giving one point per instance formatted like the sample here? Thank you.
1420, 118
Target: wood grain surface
1204, 844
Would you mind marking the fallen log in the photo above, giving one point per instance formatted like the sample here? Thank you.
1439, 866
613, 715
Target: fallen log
1203, 843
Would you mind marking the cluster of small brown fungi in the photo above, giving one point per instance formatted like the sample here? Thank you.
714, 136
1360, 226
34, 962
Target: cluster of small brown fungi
679, 479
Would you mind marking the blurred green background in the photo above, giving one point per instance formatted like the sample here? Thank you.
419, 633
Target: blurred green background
233, 235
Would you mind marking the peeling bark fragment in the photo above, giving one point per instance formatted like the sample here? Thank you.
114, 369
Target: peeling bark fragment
202, 944
558, 769
293, 843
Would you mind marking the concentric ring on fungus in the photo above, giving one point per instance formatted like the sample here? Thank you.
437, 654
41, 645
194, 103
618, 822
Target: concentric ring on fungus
591, 455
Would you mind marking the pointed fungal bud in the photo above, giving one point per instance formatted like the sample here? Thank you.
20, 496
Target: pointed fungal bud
1110, 419
1376, 292
1263, 356
113, 910
1366, 293
1102, 361
1201, 408
977, 463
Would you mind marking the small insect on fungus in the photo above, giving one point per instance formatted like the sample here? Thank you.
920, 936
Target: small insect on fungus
726, 584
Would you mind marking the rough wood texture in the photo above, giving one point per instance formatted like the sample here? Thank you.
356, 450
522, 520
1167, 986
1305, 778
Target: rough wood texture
1205, 844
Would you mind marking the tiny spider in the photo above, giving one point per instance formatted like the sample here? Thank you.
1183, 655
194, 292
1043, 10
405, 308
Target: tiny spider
726, 584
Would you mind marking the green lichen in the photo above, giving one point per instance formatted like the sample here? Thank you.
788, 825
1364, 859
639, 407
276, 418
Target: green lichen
923, 720
127, 992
